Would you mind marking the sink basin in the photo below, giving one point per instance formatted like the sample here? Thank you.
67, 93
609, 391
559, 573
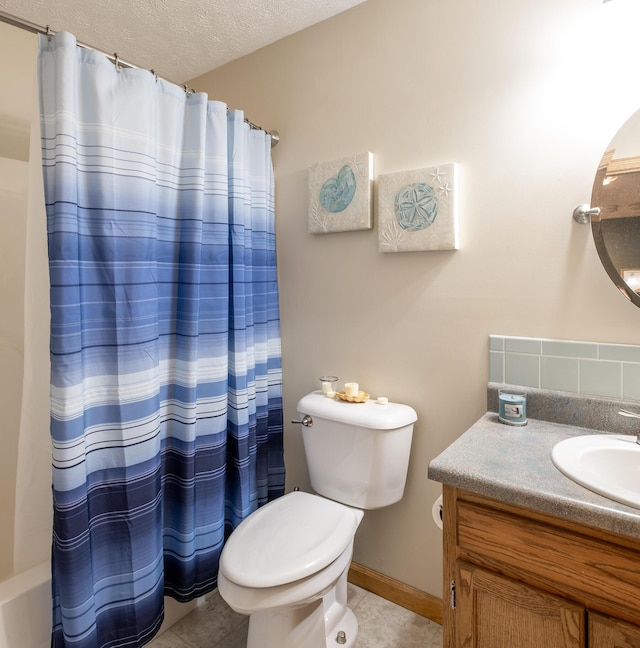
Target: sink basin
608, 464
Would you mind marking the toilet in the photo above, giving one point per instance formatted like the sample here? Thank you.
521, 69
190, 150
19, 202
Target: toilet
286, 564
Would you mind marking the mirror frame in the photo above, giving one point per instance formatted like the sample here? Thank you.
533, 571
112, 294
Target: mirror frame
628, 162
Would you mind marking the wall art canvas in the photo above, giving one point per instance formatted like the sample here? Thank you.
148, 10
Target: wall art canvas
418, 210
340, 194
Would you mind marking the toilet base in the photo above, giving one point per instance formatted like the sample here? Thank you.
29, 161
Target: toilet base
316, 624
348, 626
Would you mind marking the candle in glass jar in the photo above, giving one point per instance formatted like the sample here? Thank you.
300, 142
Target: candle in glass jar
512, 407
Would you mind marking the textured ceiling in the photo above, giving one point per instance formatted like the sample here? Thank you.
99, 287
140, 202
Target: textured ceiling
179, 39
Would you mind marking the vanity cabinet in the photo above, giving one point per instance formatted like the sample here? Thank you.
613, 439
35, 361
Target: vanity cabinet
517, 578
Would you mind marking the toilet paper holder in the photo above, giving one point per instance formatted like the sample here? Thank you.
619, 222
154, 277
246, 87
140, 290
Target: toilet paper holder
437, 512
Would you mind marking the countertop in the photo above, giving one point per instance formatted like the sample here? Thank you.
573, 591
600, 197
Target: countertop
513, 464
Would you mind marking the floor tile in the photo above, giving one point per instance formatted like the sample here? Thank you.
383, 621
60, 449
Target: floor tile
208, 624
168, 639
385, 625
381, 625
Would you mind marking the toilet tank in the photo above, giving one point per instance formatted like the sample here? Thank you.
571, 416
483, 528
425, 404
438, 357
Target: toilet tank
357, 453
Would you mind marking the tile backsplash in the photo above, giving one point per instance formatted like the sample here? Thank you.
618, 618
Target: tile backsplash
590, 368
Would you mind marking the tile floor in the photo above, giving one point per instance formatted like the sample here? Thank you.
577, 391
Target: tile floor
381, 625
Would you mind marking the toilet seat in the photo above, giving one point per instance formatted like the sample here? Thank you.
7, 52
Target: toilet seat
288, 539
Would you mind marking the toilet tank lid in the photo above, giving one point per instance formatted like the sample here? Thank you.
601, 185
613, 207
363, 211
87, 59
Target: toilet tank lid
290, 538
369, 415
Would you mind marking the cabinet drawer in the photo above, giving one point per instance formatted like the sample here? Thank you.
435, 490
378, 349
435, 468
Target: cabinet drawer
595, 572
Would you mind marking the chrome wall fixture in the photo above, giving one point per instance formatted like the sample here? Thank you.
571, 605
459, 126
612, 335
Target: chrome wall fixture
582, 213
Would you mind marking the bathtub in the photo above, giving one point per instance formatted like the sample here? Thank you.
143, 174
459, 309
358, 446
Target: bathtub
25, 609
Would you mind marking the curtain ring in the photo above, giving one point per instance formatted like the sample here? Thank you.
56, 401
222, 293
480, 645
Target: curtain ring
48, 33
116, 62
154, 74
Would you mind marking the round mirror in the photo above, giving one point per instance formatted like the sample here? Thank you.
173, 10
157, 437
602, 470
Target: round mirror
616, 191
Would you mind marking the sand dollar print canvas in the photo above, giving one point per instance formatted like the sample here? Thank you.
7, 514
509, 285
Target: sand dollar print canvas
417, 210
340, 194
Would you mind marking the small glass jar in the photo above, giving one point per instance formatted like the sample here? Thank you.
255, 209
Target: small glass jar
327, 383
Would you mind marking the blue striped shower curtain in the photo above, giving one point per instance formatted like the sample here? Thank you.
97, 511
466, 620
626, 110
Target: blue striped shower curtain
166, 407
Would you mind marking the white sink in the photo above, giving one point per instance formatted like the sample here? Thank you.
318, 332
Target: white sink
608, 464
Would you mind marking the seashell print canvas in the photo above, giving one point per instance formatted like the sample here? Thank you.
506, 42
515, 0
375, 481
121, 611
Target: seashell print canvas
418, 210
340, 194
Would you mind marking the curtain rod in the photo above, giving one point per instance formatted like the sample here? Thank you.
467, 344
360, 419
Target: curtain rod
114, 58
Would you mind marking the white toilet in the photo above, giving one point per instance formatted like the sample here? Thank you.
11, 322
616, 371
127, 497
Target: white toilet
286, 565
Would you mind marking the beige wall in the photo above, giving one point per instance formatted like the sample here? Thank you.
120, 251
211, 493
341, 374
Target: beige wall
525, 97
17, 49
13, 198
15, 105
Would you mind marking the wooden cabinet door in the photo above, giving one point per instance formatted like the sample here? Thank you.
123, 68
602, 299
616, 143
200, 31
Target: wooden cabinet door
605, 632
496, 612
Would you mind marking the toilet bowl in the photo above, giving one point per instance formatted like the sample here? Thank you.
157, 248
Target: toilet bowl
286, 564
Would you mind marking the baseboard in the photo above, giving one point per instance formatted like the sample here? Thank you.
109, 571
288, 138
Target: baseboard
399, 593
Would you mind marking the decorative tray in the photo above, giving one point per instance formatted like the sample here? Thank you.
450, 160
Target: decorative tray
360, 398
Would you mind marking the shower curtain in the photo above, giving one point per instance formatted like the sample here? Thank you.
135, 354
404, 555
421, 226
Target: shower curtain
166, 408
